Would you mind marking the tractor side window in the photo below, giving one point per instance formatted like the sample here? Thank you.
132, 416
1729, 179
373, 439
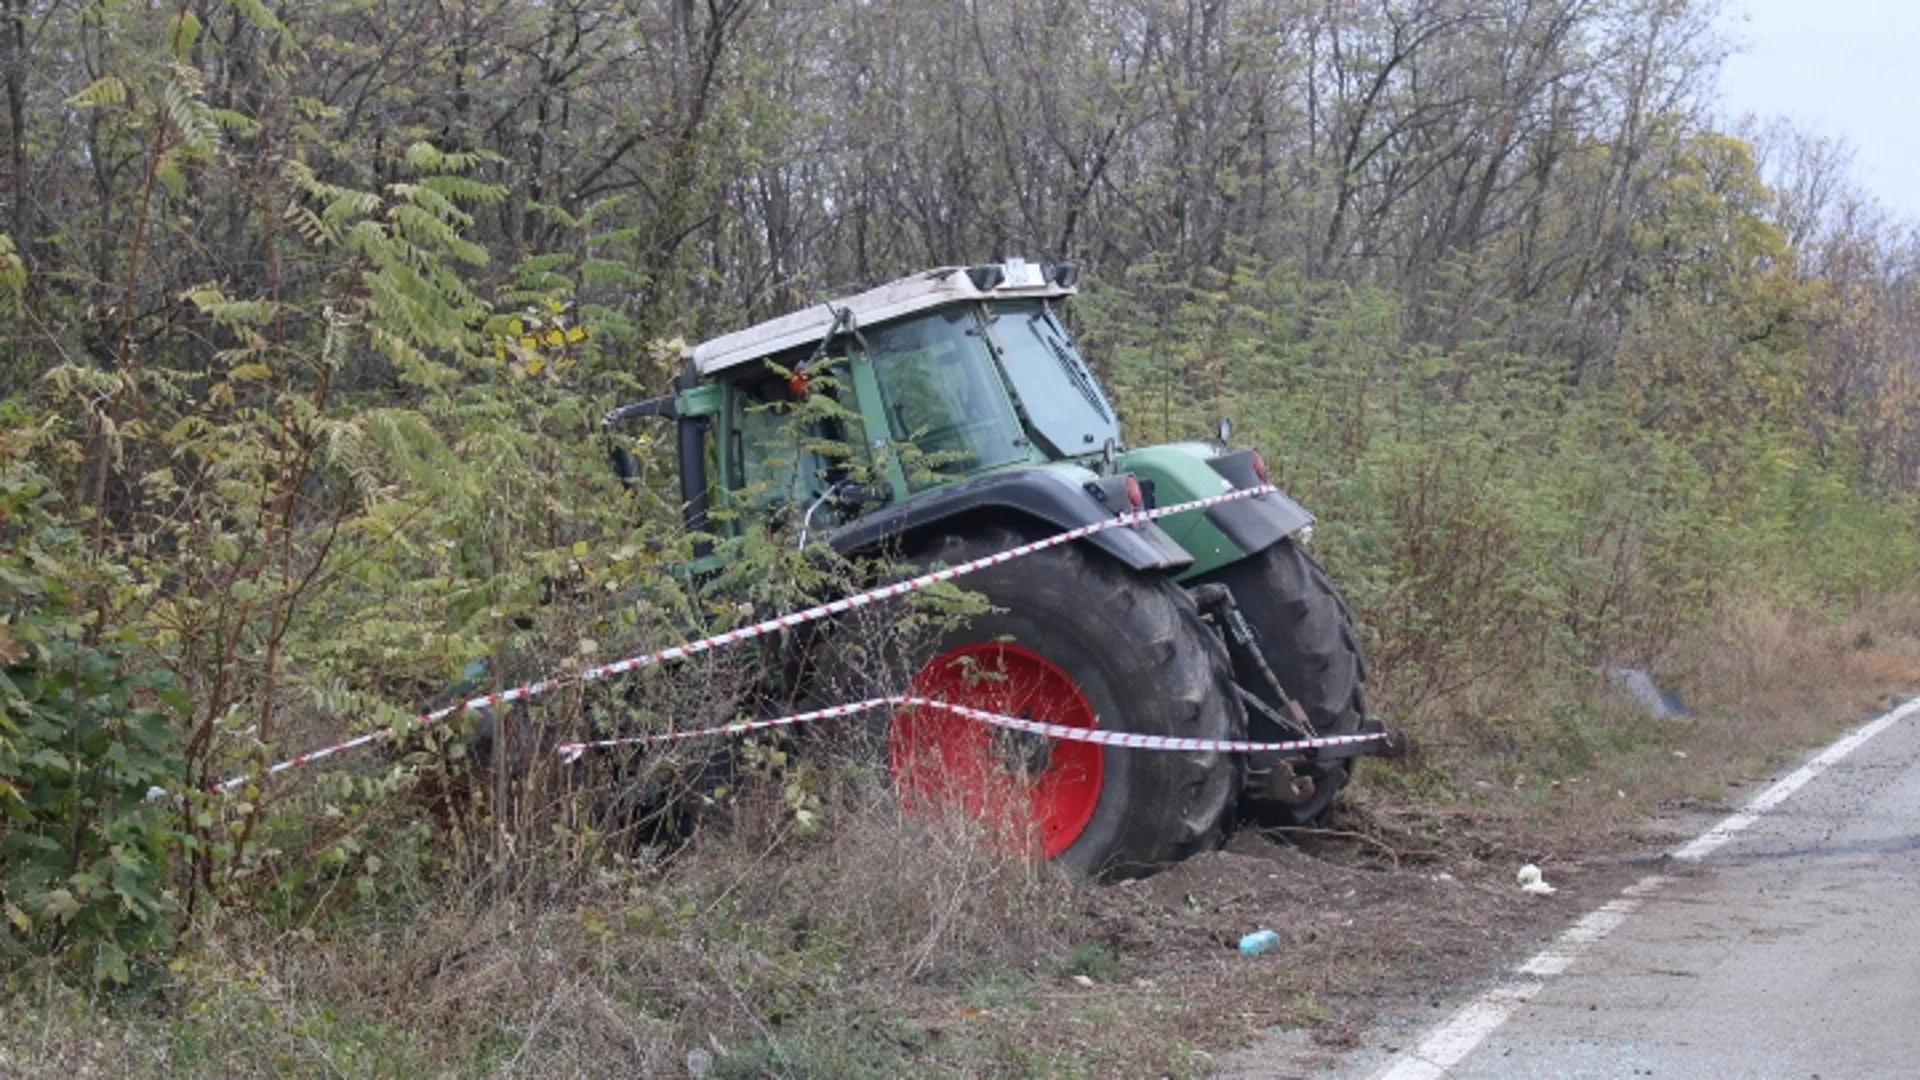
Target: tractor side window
766, 444
943, 397
837, 435
791, 448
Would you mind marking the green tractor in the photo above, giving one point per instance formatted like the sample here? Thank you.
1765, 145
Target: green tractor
965, 422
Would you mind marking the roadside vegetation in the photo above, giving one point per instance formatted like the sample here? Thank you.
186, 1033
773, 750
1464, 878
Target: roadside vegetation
311, 313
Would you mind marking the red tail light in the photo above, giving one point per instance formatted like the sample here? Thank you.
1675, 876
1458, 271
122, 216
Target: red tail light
1134, 494
1260, 467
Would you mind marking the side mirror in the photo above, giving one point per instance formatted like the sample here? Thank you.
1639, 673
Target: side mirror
624, 466
656, 406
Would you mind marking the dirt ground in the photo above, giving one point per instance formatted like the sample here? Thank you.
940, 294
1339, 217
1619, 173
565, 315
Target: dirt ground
1383, 910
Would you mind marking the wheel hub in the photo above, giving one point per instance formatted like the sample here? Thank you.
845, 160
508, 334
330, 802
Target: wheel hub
1027, 753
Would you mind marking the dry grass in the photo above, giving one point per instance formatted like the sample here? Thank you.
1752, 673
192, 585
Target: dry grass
1771, 682
1579, 773
1767, 682
768, 947
1768, 661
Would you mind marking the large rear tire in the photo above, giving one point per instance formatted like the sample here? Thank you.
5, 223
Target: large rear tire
1075, 639
1307, 636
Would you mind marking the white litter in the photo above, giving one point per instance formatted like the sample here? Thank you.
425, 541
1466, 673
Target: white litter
1532, 881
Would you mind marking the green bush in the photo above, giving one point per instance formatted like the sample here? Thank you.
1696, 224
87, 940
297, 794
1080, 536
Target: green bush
84, 855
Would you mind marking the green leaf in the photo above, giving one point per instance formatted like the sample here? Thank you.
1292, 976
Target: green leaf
13, 275
189, 113
110, 964
104, 91
262, 18
186, 34
170, 176
425, 156
236, 123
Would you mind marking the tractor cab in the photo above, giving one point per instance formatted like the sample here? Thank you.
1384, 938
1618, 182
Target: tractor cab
939, 397
928, 381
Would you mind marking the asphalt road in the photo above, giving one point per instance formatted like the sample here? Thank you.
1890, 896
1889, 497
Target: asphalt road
1784, 944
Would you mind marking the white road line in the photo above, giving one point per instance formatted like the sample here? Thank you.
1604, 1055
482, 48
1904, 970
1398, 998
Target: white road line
1449, 1044
1560, 956
1710, 841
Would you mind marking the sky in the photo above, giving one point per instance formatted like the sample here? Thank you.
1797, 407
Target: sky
1843, 68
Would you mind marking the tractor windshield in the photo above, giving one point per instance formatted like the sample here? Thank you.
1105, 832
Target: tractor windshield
943, 397
1068, 411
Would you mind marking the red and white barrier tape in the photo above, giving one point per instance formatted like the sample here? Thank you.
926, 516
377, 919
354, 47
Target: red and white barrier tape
571, 752
759, 629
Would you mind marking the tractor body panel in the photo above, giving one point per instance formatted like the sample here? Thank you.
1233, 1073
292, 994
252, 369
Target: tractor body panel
1218, 535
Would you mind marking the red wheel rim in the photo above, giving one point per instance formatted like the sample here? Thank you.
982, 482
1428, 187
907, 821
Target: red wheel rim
1008, 780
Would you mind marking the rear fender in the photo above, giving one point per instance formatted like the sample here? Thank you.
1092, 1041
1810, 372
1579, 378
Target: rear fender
1257, 523
1051, 499
1229, 532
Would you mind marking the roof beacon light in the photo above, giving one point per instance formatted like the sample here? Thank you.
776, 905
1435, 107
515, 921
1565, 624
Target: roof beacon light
1022, 274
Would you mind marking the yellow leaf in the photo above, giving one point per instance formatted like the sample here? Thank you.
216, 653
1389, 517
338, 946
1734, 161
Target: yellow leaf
535, 366
556, 339
576, 334
529, 343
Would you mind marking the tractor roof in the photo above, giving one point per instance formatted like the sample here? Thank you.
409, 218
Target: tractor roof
1015, 278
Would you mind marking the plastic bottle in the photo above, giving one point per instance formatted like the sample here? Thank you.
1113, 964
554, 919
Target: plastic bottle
1258, 942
